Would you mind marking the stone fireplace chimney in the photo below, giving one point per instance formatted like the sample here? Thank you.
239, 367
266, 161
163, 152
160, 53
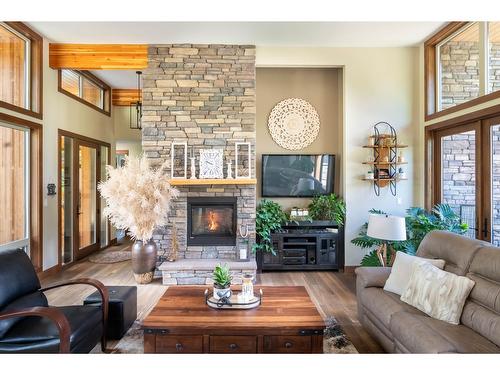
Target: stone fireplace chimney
203, 95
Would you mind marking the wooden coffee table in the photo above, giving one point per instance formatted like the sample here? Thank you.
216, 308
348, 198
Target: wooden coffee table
286, 322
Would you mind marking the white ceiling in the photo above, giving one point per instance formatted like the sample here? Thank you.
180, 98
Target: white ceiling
304, 34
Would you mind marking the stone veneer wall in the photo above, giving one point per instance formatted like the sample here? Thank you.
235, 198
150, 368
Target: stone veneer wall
203, 95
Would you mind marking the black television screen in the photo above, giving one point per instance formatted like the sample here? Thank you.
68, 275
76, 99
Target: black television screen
297, 175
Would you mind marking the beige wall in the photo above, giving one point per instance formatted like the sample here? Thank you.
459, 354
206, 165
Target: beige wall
322, 88
379, 84
61, 112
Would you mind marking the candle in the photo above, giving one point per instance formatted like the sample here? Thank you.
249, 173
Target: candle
243, 253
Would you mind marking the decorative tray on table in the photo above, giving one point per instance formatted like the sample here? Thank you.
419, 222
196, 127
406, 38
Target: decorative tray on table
234, 301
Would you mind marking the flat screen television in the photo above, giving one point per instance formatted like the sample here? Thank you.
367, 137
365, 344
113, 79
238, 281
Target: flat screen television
297, 175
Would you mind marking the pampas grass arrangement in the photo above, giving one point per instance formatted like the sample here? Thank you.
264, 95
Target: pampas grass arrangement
137, 197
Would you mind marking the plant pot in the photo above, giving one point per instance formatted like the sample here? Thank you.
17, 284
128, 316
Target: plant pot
222, 292
144, 261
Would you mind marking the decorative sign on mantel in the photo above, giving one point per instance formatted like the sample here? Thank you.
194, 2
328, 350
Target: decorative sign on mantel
294, 124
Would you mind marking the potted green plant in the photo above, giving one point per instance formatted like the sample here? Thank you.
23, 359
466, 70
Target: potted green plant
329, 207
269, 218
419, 222
222, 281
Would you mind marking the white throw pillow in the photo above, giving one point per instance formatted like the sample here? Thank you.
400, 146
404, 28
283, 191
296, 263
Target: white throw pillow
437, 293
401, 271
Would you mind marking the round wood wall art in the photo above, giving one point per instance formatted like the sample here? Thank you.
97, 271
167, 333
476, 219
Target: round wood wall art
293, 124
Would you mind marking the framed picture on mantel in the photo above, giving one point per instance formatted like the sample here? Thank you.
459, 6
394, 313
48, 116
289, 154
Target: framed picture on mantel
178, 160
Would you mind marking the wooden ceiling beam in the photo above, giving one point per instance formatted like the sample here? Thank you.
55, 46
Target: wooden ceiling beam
98, 56
124, 97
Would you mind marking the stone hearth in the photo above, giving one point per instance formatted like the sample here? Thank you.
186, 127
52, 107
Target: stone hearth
203, 95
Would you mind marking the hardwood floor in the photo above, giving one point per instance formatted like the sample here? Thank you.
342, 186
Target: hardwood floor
332, 292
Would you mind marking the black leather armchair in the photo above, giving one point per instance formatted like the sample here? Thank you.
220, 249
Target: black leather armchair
29, 325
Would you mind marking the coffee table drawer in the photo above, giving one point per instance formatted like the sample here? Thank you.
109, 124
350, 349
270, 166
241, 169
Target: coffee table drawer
179, 344
233, 344
287, 344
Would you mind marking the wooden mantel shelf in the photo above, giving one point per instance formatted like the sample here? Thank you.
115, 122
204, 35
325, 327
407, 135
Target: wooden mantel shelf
212, 181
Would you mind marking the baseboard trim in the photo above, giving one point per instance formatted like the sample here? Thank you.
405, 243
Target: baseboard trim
350, 269
49, 272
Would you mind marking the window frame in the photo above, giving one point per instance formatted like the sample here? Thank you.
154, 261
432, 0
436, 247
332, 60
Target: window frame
106, 90
432, 70
34, 61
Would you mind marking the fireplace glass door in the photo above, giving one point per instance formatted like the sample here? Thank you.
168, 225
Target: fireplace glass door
211, 222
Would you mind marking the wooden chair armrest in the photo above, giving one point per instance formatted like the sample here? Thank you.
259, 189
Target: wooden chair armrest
103, 291
51, 313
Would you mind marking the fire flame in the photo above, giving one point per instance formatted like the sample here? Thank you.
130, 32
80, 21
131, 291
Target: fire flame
212, 221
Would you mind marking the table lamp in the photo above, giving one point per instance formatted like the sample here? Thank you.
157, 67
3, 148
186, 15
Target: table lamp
386, 228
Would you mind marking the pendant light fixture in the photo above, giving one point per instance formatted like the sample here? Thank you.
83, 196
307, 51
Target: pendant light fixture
136, 107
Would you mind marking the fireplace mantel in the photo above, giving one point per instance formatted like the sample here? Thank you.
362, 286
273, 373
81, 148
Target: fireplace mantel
212, 181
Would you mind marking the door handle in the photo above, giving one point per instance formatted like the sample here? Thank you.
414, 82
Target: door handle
485, 227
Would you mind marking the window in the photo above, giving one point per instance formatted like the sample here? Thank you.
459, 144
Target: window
462, 67
464, 159
21, 191
86, 88
458, 59
20, 69
494, 56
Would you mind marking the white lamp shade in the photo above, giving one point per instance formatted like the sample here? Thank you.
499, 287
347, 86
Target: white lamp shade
386, 227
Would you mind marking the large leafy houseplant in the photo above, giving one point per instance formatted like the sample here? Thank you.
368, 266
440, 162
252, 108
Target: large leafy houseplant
419, 222
269, 217
328, 207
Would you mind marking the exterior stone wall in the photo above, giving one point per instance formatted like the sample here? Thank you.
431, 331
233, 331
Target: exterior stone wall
460, 71
203, 95
459, 177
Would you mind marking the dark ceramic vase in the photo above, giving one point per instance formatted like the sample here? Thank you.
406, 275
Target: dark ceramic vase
144, 261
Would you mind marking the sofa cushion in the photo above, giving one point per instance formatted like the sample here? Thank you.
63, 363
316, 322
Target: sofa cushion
437, 293
82, 319
482, 310
423, 334
35, 299
382, 304
456, 250
401, 271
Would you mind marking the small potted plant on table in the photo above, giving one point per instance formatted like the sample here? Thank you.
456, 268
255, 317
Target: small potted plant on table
222, 282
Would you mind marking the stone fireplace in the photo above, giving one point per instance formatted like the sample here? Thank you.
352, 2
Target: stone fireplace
203, 95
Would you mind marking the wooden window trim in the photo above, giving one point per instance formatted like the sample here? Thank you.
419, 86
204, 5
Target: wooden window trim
36, 72
36, 184
430, 76
91, 77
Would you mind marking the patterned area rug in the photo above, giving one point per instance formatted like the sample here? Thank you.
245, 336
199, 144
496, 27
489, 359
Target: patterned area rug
335, 340
111, 256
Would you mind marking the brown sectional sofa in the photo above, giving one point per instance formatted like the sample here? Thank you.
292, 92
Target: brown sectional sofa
400, 328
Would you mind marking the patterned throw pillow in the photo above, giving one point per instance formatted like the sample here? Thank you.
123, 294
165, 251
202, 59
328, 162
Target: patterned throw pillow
437, 293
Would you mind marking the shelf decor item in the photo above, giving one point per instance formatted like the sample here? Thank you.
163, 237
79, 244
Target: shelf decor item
294, 124
138, 201
178, 160
244, 232
211, 163
383, 144
243, 160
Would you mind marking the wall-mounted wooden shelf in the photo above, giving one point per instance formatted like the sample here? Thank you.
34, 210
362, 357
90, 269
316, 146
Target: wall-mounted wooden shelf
384, 162
385, 146
212, 181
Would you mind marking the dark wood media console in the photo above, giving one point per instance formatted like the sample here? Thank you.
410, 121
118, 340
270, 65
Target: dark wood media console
317, 245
